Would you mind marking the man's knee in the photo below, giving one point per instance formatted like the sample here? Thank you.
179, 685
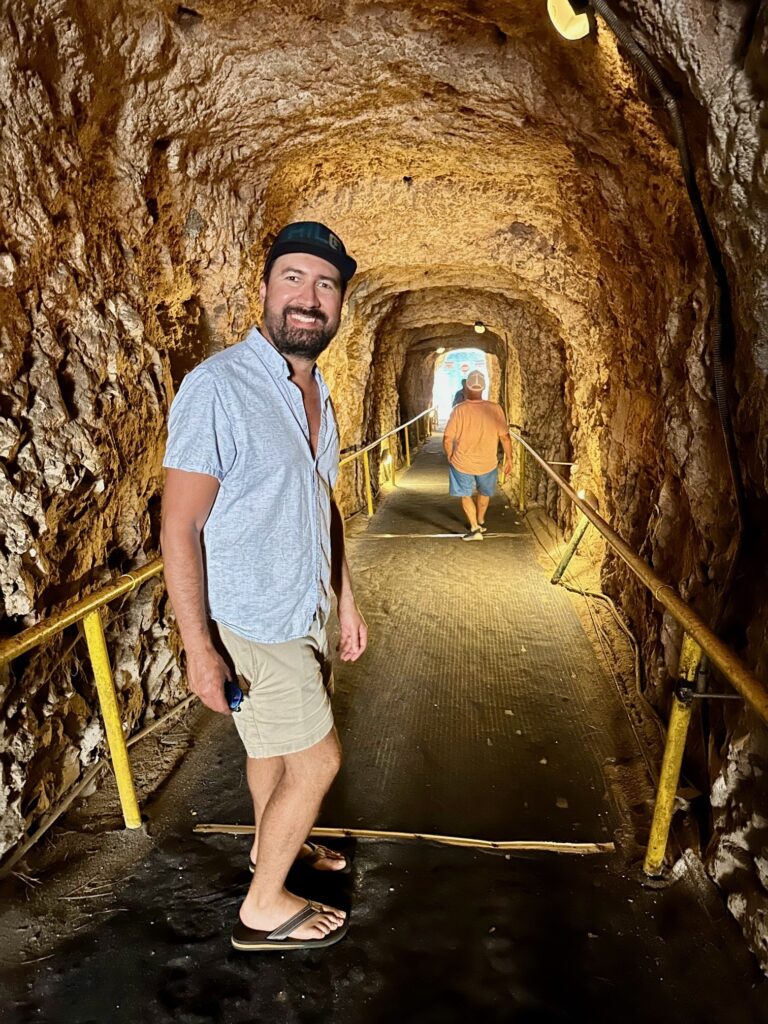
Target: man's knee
318, 764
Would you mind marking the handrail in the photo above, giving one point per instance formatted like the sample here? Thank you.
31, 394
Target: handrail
697, 637
737, 673
373, 444
14, 646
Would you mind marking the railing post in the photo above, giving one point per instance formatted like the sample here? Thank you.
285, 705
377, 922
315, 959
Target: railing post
367, 474
679, 720
105, 686
521, 493
570, 550
407, 448
392, 449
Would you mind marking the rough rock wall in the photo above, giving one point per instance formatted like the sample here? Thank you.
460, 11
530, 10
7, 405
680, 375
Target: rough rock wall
717, 59
477, 167
84, 393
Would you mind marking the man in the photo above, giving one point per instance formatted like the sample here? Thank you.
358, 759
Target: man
471, 442
459, 397
252, 458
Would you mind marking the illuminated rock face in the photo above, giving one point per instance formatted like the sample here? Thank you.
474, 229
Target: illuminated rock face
478, 167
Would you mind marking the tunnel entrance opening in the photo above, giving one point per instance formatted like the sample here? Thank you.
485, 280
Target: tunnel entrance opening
451, 369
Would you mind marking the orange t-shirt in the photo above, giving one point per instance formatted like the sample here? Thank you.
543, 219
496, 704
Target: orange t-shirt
471, 438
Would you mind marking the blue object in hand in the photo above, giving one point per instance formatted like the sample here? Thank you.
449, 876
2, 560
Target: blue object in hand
234, 694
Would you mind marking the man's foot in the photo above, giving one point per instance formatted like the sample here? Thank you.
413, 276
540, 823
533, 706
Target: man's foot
321, 858
482, 527
476, 534
306, 927
313, 855
252, 940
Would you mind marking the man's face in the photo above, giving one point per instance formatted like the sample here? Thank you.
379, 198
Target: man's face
302, 304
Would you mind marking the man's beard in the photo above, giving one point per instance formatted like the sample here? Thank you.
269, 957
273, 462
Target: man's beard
302, 342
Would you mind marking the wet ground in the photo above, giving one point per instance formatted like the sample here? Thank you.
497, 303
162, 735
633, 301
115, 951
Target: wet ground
479, 710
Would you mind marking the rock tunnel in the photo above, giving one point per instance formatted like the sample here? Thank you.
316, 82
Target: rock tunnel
483, 170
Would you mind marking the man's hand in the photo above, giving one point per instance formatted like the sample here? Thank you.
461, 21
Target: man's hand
206, 672
508, 466
353, 638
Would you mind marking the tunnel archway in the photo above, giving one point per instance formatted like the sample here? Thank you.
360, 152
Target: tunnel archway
451, 370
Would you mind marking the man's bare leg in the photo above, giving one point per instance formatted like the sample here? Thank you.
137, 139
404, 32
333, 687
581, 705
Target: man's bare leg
468, 504
284, 825
263, 774
481, 503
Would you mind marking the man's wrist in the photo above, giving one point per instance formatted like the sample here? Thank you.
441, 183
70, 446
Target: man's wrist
200, 643
346, 601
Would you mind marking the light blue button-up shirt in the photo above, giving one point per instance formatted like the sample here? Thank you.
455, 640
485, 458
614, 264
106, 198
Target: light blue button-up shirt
267, 541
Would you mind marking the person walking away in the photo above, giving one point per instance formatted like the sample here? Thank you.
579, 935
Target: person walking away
471, 443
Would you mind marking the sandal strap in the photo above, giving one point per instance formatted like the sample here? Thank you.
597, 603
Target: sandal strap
307, 912
319, 852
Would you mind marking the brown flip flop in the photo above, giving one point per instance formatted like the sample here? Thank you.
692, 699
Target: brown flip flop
254, 940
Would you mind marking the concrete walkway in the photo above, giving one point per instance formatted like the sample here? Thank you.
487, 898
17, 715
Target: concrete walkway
479, 710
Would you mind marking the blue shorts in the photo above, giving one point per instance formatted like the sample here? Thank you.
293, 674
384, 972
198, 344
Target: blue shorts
462, 485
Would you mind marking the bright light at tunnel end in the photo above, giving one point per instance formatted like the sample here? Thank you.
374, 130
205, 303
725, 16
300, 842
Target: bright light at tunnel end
569, 18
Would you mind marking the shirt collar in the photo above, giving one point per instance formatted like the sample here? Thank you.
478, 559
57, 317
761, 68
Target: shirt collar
275, 363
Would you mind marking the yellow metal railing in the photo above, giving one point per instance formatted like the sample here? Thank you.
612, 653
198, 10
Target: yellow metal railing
698, 638
424, 419
88, 611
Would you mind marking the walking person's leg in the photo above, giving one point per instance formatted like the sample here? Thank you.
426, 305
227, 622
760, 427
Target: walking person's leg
481, 504
263, 774
486, 488
285, 823
461, 485
468, 504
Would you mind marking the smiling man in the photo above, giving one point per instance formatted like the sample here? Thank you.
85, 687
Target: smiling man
253, 545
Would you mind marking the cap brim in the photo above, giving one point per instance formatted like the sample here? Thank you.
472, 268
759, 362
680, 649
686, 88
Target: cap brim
345, 265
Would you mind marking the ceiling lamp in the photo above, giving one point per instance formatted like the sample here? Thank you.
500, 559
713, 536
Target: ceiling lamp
570, 18
479, 327
440, 350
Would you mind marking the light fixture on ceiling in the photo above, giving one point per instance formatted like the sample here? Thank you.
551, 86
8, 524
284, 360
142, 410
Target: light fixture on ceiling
439, 351
571, 18
479, 327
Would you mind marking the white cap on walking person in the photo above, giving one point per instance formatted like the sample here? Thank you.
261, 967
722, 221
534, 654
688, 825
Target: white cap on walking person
475, 381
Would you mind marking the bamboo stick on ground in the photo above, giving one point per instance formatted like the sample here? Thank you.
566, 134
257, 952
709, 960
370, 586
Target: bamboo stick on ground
541, 845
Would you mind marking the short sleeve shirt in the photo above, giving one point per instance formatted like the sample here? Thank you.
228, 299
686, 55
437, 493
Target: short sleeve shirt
472, 436
239, 418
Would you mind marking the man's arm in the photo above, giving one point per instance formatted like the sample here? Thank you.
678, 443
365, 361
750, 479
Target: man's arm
449, 436
506, 442
187, 501
354, 632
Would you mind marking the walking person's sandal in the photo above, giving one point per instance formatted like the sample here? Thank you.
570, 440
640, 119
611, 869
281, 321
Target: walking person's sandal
253, 940
316, 853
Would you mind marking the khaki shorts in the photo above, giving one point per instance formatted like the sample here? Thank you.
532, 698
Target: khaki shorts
287, 687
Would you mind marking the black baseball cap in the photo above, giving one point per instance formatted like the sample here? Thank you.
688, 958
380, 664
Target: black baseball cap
316, 239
